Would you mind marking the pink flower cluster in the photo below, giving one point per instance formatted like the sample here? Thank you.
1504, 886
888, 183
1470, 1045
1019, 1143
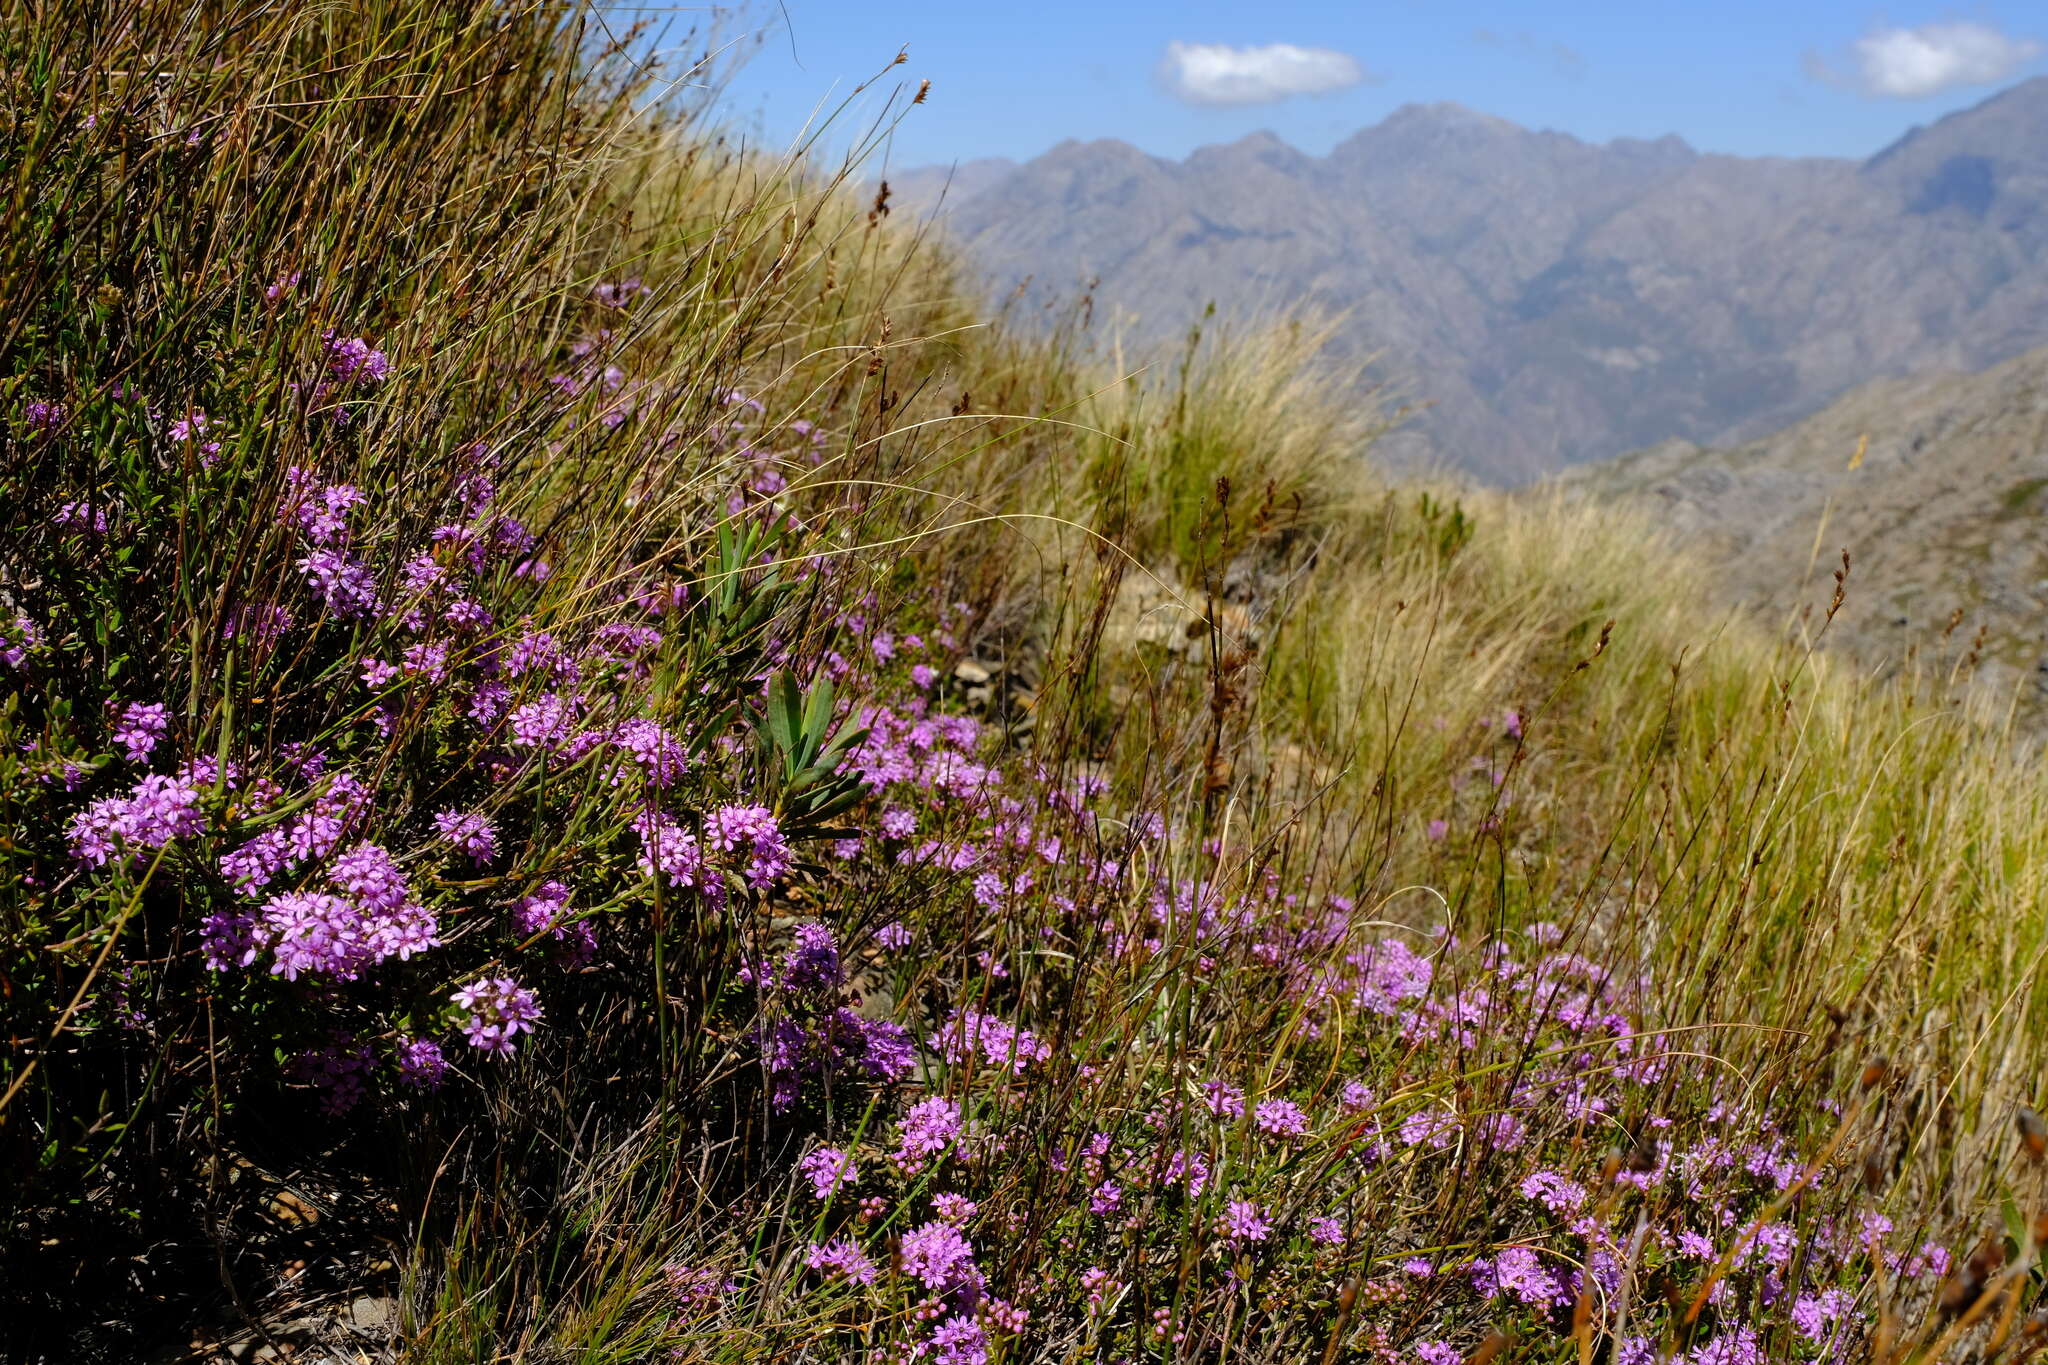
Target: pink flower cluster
156, 811
494, 1011
370, 916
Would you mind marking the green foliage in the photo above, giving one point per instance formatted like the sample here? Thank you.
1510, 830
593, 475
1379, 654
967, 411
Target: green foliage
799, 741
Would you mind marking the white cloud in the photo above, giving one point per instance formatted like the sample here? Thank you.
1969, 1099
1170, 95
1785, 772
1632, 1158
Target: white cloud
1215, 73
1908, 63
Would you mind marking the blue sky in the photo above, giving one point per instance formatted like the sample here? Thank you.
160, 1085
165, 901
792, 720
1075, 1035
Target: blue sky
1787, 77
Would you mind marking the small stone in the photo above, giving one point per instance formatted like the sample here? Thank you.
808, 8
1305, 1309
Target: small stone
971, 673
377, 1317
288, 1207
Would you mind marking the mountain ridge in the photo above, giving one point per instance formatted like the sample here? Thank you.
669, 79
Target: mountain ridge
1559, 300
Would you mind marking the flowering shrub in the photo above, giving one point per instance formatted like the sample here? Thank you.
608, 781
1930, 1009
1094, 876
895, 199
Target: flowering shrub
457, 742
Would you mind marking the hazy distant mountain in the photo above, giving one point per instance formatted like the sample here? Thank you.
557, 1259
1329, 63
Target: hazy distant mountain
922, 189
1947, 509
1561, 301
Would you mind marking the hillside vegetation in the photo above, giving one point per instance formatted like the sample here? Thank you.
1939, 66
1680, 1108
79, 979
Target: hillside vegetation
1935, 484
597, 768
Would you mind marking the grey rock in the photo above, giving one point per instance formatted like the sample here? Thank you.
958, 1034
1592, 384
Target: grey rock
374, 1317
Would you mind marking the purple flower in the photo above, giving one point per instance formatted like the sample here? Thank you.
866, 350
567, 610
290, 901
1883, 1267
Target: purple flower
487, 702
421, 575
251, 866
1002, 1044
323, 516
886, 1050
334, 936
1281, 1118
1225, 1101
538, 652
624, 642
1438, 1353
544, 723
353, 360
193, 425
467, 616
43, 415
827, 1168
1190, 1169
420, 1063
893, 936
754, 829
1736, 1346
1328, 1232
470, 833
319, 831
666, 847
228, 939
618, 294
367, 873
1244, 1221
960, 1340
930, 1127
1815, 1314
17, 645
338, 1071
345, 588
1520, 1272
695, 1286
142, 724
543, 910
939, 1255
793, 1050
659, 755
1554, 1192
495, 1011
954, 1208
80, 516
813, 964
546, 911
841, 1256
156, 811
426, 659
1932, 1260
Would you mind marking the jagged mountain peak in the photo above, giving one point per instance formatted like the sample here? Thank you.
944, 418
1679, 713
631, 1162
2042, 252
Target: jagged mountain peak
2014, 120
1560, 300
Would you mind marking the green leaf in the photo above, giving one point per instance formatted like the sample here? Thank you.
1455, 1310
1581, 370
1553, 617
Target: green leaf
817, 720
784, 706
835, 805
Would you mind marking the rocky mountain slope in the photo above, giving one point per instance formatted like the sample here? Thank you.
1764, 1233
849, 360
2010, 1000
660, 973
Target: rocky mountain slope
1937, 485
1555, 301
